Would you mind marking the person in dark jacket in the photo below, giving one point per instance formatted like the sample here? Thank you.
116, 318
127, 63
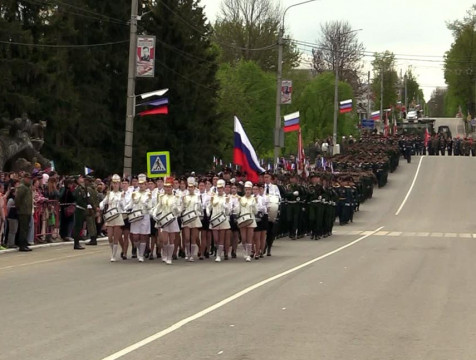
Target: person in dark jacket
24, 207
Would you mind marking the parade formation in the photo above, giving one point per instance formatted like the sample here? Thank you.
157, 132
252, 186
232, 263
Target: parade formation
220, 214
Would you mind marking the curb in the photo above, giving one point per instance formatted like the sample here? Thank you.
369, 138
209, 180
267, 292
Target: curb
62, 243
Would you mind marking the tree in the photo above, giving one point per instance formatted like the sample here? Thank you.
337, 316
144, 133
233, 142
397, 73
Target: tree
246, 25
414, 93
20, 23
186, 65
384, 66
460, 64
436, 104
316, 105
339, 48
245, 91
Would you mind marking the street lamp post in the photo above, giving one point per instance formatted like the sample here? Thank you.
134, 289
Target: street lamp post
336, 88
277, 129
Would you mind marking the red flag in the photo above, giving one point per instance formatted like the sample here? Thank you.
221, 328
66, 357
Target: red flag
427, 137
160, 110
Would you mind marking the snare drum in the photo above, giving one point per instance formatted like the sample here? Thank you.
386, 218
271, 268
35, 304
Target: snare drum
273, 207
136, 215
217, 220
166, 219
189, 217
111, 214
245, 220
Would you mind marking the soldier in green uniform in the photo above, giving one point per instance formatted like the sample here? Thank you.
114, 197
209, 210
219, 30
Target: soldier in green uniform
81, 199
316, 210
92, 208
293, 206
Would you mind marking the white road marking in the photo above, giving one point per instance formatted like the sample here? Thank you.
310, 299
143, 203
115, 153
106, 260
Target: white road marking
411, 187
436, 234
465, 235
423, 234
451, 235
395, 233
382, 233
48, 260
228, 300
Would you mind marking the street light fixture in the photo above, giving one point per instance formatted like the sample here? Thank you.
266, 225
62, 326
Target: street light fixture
336, 89
277, 130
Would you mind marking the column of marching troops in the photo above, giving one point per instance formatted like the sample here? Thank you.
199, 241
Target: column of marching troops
438, 144
209, 216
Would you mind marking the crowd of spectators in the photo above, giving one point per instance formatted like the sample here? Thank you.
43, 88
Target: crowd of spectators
51, 218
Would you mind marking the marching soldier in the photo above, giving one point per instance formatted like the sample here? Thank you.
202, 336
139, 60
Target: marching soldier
92, 210
81, 200
293, 201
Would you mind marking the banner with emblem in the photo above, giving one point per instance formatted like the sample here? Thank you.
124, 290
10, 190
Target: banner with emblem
286, 92
145, 61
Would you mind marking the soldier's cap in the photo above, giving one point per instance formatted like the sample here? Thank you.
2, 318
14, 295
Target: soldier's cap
116, 178
227, 170
142, 178
220, 183
248, 184
27, 175
238, 173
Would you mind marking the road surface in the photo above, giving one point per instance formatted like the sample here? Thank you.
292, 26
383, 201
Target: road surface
398, 283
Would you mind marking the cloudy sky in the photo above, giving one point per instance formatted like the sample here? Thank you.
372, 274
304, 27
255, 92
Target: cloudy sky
415, 31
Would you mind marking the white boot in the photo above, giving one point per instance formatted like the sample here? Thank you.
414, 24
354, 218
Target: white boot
194, 253
187, 251
140, 256
219, 253
114, 252
248, 252
170, 253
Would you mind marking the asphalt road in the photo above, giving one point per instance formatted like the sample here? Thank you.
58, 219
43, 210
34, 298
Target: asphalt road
384, 287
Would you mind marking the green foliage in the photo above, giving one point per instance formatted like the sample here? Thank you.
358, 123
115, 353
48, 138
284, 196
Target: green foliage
249, 93
186, 65
414, 93
460, 65
316, 105
384, 65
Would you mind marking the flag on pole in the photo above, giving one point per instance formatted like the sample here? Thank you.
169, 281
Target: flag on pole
159, 110
375, 115
157, 102
244, 154
345, 106
87, 170
291, 122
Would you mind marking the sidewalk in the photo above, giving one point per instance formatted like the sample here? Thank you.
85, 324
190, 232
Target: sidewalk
59, 243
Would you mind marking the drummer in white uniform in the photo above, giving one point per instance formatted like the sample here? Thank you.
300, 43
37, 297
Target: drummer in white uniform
126, 229
190, 220
248, 210
205, 233
271, 191
259, 240
141, 204
220, 210
114, 202
167, 210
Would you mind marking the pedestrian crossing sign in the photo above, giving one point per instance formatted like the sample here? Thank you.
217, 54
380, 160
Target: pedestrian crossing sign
158, 164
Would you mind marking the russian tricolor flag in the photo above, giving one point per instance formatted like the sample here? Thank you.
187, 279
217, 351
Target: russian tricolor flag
345, 106
375, 115
291, 122
244, 154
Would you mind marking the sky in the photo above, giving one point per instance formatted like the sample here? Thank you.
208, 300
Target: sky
415, 31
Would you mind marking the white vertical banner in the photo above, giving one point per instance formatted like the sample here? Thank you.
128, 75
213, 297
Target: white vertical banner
286, 92
145, 62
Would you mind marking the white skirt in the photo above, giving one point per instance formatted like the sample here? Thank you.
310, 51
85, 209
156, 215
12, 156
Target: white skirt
225, 225
194, 224
172, 227
119, 221
142, 226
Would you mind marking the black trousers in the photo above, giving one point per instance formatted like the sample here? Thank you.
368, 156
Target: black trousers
23, 229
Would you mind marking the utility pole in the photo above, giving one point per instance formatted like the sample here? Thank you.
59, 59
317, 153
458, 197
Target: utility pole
368, 95
278, 136
131, 82
336, 95
277, 126
406, 101
381, 97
